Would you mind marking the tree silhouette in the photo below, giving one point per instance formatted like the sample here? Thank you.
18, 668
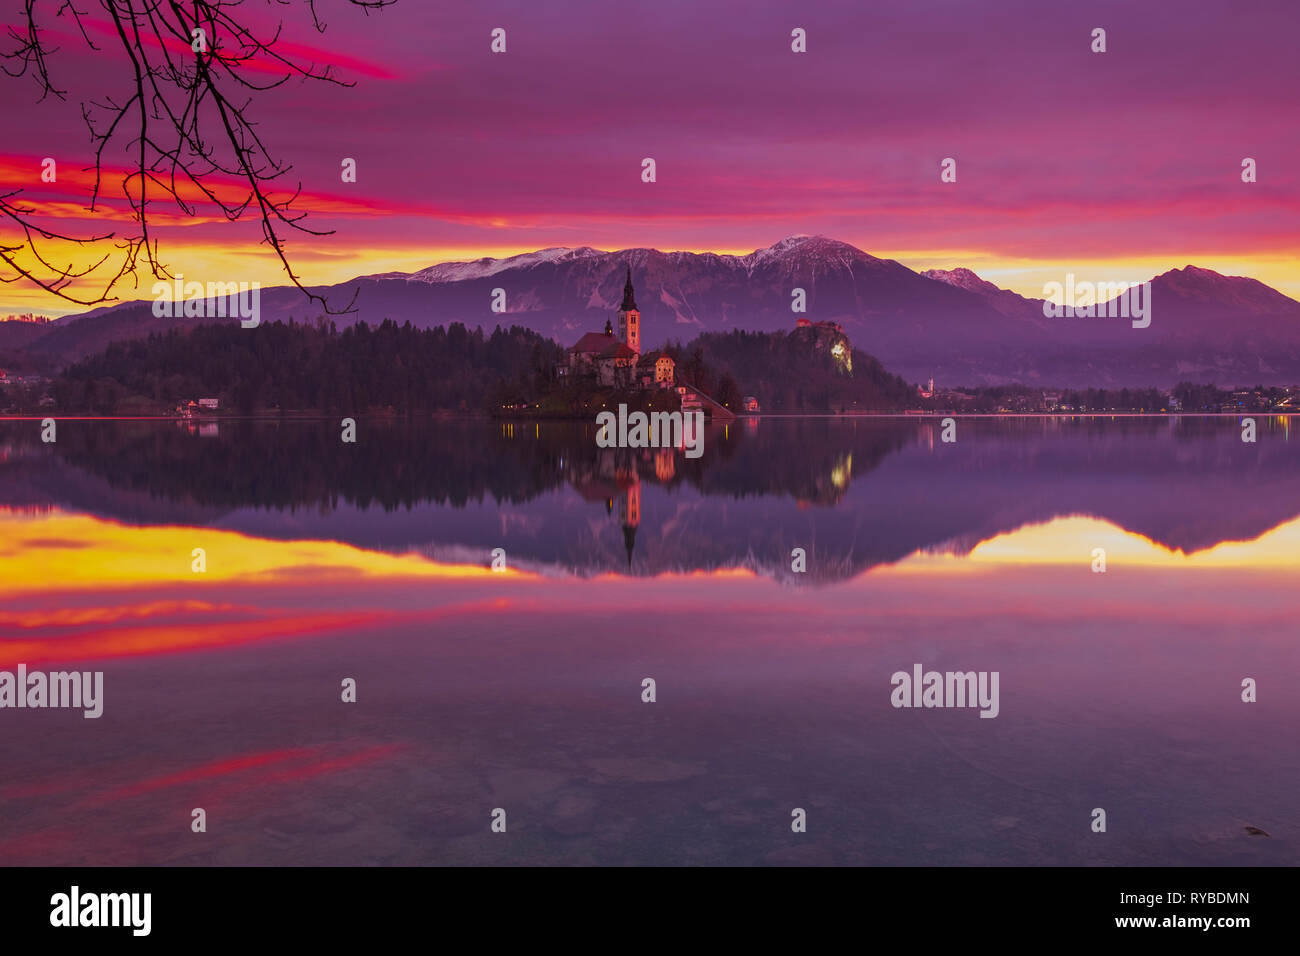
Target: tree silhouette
182, 123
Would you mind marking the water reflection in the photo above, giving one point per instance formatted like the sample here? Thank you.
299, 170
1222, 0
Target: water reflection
482, 689
521, 689
853, 493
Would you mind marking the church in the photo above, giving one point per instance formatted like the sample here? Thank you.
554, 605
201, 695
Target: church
616, 361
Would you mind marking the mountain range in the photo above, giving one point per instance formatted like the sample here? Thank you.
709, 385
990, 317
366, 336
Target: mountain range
949, 324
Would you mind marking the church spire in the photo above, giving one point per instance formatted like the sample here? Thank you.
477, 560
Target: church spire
629, 301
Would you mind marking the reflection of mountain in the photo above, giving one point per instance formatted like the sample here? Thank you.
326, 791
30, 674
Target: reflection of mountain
853, 492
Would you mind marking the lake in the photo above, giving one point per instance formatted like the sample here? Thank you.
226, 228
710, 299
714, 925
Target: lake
771, 589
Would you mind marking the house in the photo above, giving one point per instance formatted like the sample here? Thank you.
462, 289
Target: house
657, 370
192, 408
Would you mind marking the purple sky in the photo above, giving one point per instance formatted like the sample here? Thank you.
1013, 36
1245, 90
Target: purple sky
1125, 163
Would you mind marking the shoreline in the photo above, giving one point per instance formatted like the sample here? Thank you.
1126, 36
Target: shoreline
463, 417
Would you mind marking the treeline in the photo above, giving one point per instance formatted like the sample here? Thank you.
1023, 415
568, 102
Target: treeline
312, 367
1119, 399
1187, 396
404, 369
405, 463
789, 372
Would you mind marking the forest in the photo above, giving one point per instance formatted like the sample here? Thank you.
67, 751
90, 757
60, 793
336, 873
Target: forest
315, 367
310, 367
788, 372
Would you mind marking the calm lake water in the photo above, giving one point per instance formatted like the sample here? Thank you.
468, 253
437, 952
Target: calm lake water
522, 689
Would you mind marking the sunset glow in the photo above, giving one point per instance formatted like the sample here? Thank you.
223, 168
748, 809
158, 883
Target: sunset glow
504, 163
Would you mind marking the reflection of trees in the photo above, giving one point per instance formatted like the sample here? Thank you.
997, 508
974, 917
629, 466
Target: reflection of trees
281, 466
399, 464
813, 460
1187, 484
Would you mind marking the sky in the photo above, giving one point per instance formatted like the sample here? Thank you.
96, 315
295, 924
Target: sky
1115, 166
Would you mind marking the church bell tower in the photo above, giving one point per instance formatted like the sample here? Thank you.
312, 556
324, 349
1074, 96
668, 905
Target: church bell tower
629, 317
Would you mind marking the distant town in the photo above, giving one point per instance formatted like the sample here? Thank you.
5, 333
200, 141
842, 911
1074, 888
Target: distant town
1183, 398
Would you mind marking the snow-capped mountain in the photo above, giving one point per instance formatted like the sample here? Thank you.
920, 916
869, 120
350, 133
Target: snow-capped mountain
950, 324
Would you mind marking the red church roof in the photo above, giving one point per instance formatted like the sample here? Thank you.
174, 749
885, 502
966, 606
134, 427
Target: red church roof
593, 342
604, 346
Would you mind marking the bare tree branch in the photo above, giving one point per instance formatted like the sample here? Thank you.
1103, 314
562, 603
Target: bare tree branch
184, 141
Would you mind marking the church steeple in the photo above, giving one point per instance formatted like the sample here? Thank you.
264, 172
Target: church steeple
629, 301
629, 317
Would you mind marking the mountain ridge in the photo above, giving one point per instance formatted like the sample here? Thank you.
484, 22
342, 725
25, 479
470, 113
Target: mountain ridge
948, 323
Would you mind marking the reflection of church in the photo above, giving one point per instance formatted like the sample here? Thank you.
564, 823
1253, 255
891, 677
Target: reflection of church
615, 477
629, 511
615, 481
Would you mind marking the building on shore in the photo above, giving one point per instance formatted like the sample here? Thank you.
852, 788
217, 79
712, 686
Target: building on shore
601, 356
192, 408
658, 370
616, 361
823, 326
